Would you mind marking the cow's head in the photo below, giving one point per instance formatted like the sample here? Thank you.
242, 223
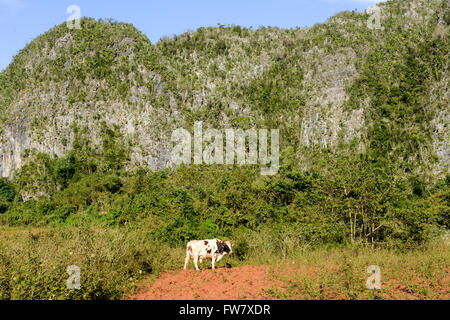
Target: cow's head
228, 246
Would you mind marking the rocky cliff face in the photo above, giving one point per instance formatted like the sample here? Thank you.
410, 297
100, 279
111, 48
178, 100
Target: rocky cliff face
307, 82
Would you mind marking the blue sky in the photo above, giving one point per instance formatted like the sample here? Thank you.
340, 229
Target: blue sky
22, 20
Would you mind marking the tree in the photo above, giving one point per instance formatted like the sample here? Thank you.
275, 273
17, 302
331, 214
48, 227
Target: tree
7, 195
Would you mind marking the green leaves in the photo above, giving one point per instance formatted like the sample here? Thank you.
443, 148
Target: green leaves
397, 75
239, 77
64, 169
7, 195
342, 198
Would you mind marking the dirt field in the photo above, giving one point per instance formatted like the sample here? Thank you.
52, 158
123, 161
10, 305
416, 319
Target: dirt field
286, 282
319, 273
247, 282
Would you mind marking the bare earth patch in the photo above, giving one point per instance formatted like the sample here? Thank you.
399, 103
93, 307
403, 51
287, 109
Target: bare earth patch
248, 282
279, 282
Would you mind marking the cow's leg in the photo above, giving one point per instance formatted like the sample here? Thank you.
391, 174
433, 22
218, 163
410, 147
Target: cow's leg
196, 261
212, 262
186, 261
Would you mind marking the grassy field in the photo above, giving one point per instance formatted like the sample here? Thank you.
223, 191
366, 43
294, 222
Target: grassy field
33, 262
33, 265
341, 274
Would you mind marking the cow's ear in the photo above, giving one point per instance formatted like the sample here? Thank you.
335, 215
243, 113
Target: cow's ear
231, 241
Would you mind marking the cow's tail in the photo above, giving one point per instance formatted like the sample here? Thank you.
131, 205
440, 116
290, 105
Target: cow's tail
188, 255
188, 248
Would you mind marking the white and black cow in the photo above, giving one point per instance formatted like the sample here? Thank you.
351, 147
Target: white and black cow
213, 249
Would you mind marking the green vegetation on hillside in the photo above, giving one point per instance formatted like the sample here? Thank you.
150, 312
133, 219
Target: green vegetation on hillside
342, 198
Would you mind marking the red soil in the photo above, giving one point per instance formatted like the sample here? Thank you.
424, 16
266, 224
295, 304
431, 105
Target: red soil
255, 283
249, 282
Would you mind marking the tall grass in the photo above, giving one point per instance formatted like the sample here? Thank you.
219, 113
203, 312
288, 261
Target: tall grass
341, 273
33, 264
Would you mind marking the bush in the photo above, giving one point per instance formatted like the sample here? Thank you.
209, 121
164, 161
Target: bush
64, 169
7, 195
33, 266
